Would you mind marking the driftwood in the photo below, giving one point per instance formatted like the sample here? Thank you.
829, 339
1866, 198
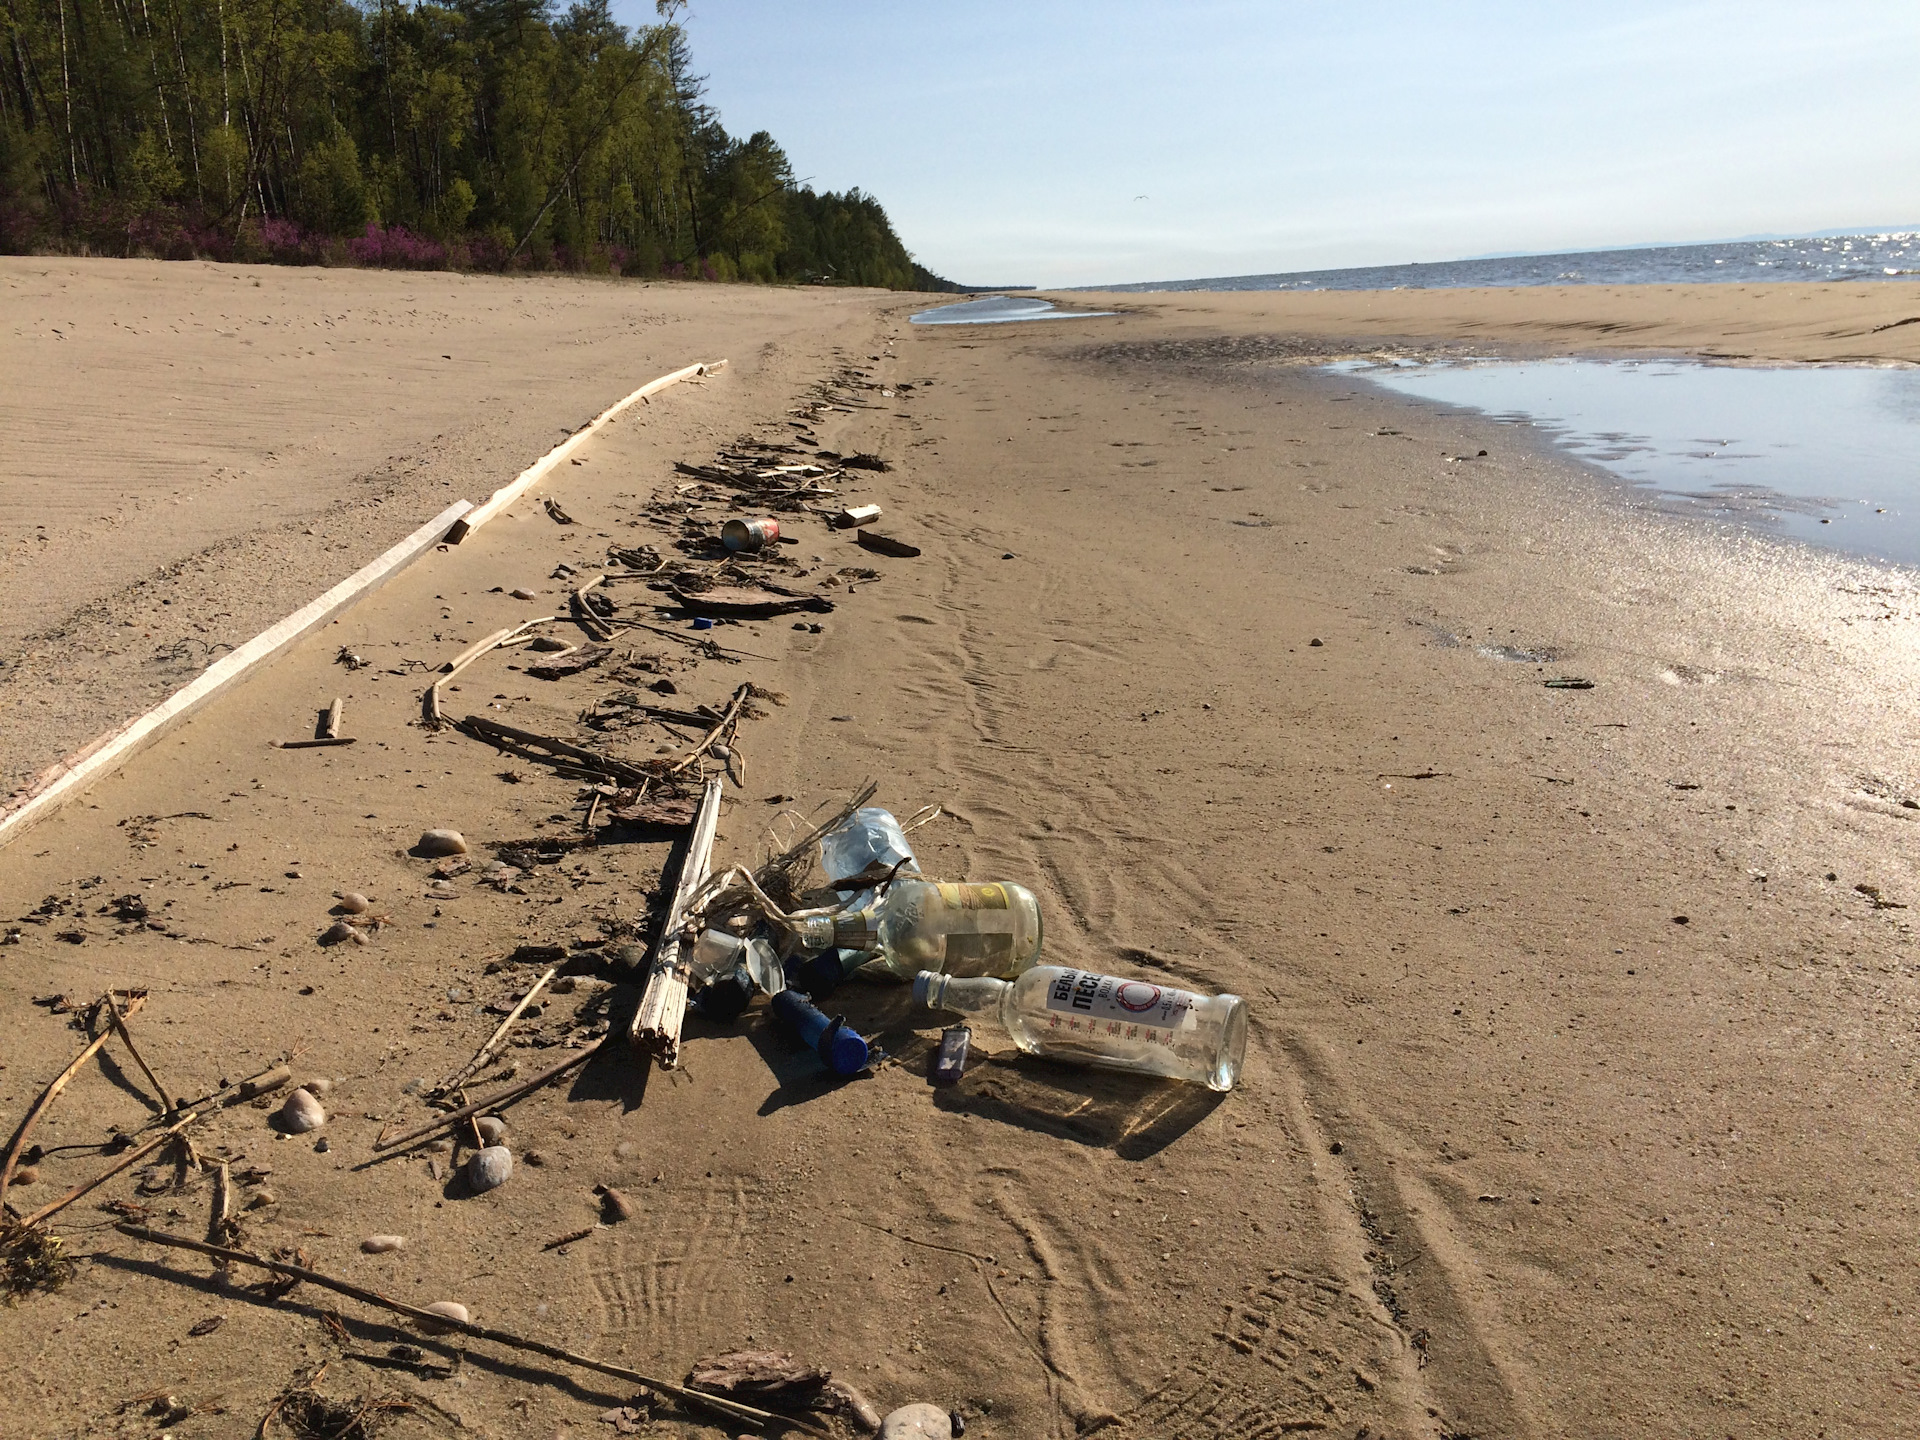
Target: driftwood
125, 1162
486, 1051
583, 613
312, 744
56, 785
513, 1092
885, 545
430, 1319
126, 1038
330, 726
430, 702
52, 1092
740, 602
520, 742
569, 662
663, 1008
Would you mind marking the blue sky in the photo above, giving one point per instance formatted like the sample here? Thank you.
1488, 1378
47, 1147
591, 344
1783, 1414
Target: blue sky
1009, 141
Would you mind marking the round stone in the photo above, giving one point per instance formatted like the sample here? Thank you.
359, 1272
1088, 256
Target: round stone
489, 1168
302, 1113
917, 1422
382, 1244
442, 842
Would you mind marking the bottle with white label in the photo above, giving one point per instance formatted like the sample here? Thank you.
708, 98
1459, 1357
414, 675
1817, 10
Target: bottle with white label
1092, 1019
969, 928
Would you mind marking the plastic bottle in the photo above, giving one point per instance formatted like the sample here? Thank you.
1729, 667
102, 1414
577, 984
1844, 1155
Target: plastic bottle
1094, 1019
957, 929
865, 839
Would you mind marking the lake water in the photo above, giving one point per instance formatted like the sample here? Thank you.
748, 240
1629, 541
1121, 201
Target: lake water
998, 310
1829, 455
1887, 256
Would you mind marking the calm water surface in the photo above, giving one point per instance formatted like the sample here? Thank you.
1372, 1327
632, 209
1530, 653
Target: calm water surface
1890, 255
999, 309
1827, 455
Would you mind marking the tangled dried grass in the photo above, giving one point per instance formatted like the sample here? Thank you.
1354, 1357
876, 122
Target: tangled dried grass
30, 1260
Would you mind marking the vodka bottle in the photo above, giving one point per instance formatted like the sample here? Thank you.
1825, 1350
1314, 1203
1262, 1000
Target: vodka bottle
1092, 1019
956, 929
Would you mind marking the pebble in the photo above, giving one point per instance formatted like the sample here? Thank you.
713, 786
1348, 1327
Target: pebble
521, 593
547, 644
381, 1244
260, 1199
615, 1206
442, 842
317, 1087
302, 1113
452, 1309
340, 930
492, 1129
917, 1422
489, 1168
354, 903
26, 1175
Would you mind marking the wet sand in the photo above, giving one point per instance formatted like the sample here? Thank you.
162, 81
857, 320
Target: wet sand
1579, 1098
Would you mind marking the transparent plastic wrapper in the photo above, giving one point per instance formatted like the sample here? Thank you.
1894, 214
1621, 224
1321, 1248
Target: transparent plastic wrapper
1087, 1018
867, 839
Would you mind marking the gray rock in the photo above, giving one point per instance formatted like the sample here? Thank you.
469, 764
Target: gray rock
492, 1129
489, 1168
917, 1422
302, 1113
442, 842
354, 903
382, 1244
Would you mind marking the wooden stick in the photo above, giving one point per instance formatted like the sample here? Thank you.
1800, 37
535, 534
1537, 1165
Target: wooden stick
124, 1162
695, 641
663, 1008
56, 785
485, 1052
330, 727
220, 1224
126, 1038
511, 1093
431, 1319
536, 472
482, 728
731, 717
312, 744
583, 615
51, 1093
430, 702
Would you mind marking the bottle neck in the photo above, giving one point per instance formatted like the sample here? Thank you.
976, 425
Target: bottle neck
967, 996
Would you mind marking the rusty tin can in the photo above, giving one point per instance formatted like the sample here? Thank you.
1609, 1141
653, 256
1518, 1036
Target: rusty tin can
749, 535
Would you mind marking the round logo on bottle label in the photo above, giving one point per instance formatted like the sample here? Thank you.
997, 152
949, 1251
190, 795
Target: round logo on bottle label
1136, 996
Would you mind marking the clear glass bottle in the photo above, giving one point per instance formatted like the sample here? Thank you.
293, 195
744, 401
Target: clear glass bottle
968, 928
1087, 1018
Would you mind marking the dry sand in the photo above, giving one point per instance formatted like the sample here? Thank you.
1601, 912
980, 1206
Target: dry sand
1580, 1094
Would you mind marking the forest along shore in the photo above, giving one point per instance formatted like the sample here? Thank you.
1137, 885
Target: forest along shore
1582, 1016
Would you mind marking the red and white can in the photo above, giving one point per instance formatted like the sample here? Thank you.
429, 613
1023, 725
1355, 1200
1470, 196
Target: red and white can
749, 535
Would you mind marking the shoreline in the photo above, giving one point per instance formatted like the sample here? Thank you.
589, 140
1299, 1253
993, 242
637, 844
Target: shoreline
1514, 1147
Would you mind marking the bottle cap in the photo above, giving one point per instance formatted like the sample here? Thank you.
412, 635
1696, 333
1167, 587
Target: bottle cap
929, 989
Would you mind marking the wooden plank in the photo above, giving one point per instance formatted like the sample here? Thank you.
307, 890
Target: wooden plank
491, 507
61, 782
663, 1008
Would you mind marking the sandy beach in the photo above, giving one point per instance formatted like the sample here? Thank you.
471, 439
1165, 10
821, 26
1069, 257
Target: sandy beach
1579, 1100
